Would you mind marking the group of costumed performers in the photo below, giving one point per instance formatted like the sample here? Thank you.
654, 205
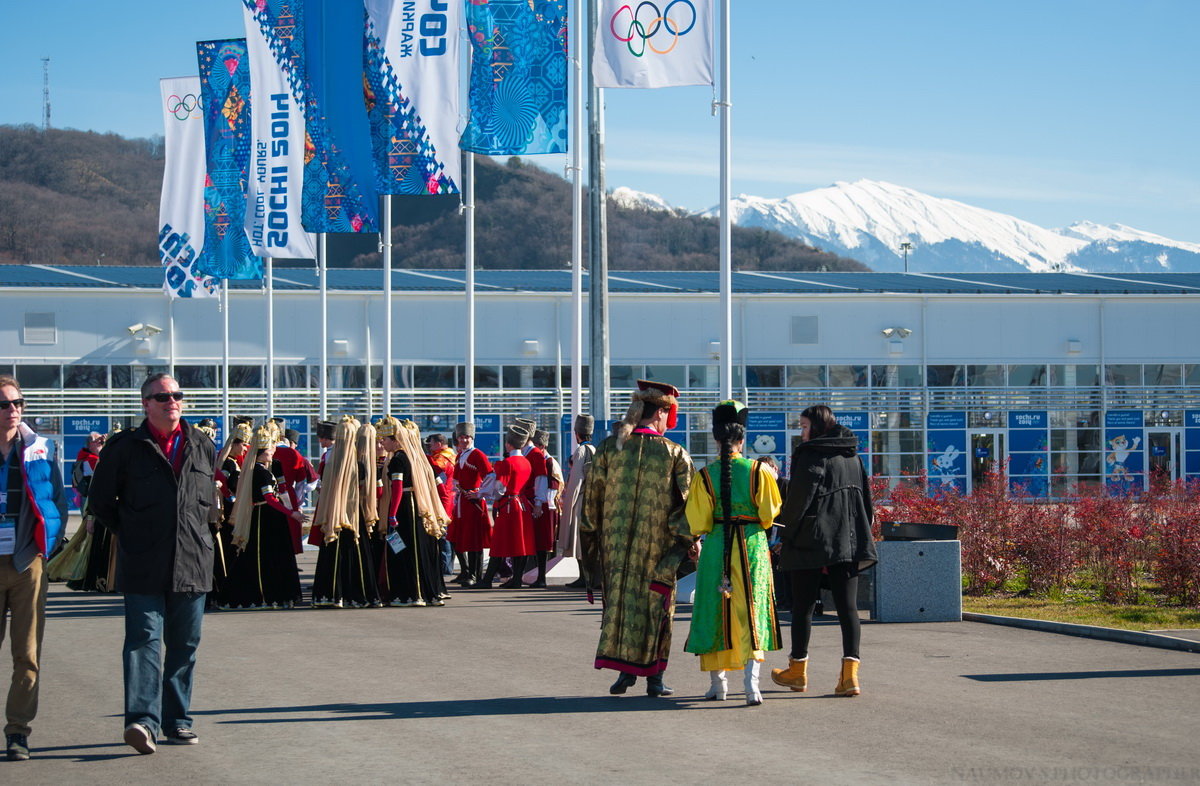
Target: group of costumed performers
346, 517
733, 503
409, 568
471, 520
265, 534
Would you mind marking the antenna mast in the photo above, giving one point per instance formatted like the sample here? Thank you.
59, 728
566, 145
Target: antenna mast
45, 93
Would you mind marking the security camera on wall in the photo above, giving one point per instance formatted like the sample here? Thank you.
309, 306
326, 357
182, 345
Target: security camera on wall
133, 329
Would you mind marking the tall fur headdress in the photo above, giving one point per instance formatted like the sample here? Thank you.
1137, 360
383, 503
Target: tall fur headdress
658, 394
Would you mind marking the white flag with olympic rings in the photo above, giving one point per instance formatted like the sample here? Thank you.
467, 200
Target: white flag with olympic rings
665, 43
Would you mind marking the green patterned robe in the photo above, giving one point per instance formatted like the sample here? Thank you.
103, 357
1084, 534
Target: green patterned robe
635, 534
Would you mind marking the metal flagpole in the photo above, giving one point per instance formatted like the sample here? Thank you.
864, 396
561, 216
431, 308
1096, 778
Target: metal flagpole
576, 218
171, 335
469, 285
387, 306
598, 235
324, 374
269, 264
726, 227
225, 356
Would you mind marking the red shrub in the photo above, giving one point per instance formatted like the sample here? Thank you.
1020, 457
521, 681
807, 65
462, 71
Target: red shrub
1172, 517
1113, 537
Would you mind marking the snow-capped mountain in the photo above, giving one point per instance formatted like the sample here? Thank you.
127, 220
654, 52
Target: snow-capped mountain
869, 221
639, 200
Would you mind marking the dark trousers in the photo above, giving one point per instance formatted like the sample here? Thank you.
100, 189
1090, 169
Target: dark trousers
806, 589
158, 689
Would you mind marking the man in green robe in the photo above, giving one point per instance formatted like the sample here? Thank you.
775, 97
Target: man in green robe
635, 535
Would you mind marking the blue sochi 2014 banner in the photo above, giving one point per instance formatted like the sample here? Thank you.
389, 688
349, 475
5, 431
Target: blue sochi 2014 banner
518, 92
225, 98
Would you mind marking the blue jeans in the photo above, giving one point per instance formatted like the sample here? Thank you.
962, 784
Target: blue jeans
446, 552
157, 692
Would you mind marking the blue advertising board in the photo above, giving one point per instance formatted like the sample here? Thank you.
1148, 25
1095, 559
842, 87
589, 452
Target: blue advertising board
1191, 443
946, 447
1124, 461
1029, 451
766, 435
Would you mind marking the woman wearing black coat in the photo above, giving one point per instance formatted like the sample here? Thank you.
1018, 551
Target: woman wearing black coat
827, 533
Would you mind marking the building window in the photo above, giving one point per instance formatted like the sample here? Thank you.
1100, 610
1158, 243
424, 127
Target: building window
897, 377
623, 376
245, 376
583, 376
122, 376
291, 377
944, 376
704, 377
847, 376
1191, 374
985, 376
764, 376
434, 376
672, 375
39, 376
806, 376
1123, 375
402, 376
40, 328
487, 376
192, 377
804, 330
524, 377
1164, 375
1085, 375
347, 377
1027, 376
85, 377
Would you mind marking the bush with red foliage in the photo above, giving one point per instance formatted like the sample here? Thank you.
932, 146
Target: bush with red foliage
1171, 516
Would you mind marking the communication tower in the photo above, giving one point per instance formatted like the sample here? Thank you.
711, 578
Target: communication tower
45, 93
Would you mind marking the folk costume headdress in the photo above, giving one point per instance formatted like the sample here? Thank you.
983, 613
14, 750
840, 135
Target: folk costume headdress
265, 436
326, 429
515, 434
585, 425
387, 426
365, 447
424, 485
464, 430
337, 507
658, 394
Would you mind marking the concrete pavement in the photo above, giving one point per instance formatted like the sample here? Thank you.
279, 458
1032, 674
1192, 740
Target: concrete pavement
498, 686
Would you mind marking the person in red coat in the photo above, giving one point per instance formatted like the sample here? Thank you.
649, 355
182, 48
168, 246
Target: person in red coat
512, 534
542, 495
470, 524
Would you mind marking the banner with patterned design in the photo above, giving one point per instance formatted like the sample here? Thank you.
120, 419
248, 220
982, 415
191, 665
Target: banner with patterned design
181, 205
225, 104
412, 57
518, 86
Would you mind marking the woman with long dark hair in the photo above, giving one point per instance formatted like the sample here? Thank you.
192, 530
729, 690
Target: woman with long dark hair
733, 502
827, 533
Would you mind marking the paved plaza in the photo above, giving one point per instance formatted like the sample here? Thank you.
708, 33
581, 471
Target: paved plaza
497, 687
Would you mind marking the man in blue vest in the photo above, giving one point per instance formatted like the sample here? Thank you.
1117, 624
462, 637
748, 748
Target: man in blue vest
33, 509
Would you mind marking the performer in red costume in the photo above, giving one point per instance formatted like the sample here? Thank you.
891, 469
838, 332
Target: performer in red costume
471, 523
512, 534
542, 494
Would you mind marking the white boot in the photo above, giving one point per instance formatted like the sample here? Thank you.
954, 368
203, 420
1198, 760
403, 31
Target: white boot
750, 681
719, 687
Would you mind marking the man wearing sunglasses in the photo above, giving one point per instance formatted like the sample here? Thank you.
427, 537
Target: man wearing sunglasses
33, 509
154, 488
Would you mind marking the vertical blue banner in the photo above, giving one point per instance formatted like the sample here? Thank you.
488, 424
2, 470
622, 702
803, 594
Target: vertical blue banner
860, 424
225, 98
518, 92
1029, 452
1124, 462
1191, 443
339, 175
947, 442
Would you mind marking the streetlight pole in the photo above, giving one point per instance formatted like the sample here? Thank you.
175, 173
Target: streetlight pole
906, 247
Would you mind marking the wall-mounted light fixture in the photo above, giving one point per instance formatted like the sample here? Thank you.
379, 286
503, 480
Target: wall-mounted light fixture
714, 350
1074, 346
530, 347
339, 347
899, 332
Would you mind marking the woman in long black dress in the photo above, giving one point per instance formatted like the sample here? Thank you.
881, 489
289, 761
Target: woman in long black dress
229, 470
265, 574
344, 575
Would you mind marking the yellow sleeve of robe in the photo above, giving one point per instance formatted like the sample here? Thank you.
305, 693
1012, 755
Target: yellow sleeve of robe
699, 510
767, 498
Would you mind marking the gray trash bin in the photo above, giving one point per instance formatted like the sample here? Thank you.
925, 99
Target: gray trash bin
919, 575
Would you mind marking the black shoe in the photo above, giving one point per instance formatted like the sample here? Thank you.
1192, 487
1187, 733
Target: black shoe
182, 736
578, 583
18, 747
623, 683
540, 584
655, 686
513, 583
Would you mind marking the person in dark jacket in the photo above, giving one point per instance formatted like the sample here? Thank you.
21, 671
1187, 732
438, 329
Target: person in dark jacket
827, 533
154, 489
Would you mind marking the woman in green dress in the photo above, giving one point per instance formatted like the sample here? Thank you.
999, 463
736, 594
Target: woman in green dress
733, 502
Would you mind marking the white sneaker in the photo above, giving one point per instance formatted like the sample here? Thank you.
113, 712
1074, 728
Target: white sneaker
139, 738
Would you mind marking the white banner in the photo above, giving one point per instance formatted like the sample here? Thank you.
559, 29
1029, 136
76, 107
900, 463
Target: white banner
665, 43
276, 167
181, 206
416, 136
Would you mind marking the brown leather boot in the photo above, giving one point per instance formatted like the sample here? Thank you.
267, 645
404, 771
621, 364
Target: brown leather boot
795, 676
848, 681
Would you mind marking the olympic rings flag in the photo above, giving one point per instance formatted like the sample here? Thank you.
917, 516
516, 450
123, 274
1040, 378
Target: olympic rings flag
667, 43
518, 92
181, 206
412, 71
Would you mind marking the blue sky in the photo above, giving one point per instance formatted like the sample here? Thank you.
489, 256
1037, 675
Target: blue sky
1050, 110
